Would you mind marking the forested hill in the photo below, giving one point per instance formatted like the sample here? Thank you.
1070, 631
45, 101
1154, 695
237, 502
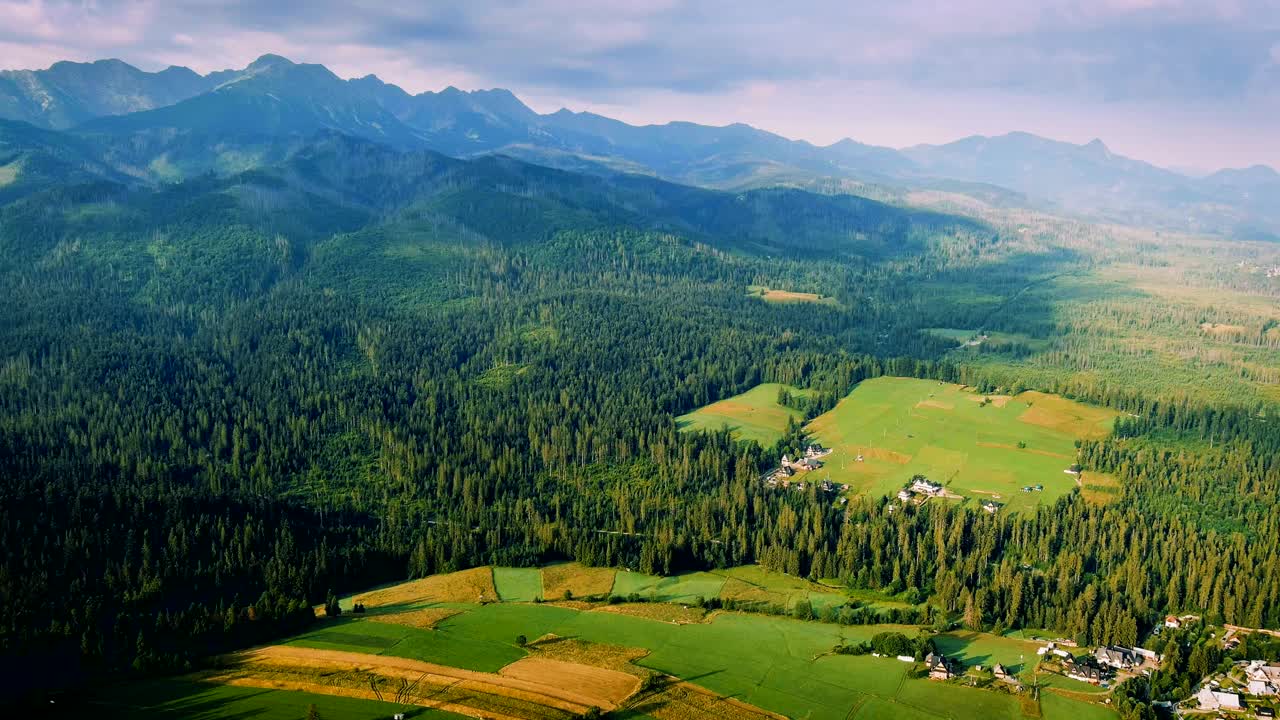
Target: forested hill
222, 399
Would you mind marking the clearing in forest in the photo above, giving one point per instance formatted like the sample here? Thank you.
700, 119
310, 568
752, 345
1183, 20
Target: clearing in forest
787, 296
753, 415
982, 447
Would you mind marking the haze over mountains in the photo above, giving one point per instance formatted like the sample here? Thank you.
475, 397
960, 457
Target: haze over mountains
116, 120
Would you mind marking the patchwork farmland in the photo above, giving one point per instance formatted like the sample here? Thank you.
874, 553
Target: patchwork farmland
552, 660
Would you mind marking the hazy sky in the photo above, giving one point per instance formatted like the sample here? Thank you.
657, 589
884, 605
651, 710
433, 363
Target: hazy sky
1177, 82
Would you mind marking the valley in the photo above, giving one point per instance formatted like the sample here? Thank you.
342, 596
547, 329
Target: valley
315, 392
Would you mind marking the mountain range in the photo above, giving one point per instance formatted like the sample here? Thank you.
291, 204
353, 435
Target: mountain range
109, 118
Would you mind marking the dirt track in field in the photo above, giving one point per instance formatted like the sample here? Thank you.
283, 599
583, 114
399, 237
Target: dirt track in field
567, 686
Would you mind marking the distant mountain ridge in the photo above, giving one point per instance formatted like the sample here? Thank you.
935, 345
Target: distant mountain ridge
175, 123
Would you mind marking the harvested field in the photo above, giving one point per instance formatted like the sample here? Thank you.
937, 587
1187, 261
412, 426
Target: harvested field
1066, 416
574, 578
602, 687
612, 657
662, 612
474, 585
528, 685
368, 694
425, 618
996, 400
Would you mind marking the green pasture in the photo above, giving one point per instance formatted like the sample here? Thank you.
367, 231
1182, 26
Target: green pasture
518, 584
904, 427
975, 648
174, 699
485, 652
1057, 707
753, 415
675, 589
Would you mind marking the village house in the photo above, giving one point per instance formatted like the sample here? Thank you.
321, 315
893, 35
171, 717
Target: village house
1086, 672
926, 487
1172, 621
816, 451
1000, 672
939, 667
991, 506
809, 464
1211, 699
1117, 657
1264, 713
904, 494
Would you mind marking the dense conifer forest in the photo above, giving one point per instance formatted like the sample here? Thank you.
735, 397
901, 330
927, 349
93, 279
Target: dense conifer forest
223, 400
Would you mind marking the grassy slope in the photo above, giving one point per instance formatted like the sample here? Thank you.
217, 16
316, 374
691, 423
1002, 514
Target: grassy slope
777, 663
184, 700
904, 426
753, 415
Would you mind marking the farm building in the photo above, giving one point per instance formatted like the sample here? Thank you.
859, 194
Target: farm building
1000, 672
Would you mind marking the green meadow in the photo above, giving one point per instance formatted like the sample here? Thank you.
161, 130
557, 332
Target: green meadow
978, 446
753, 415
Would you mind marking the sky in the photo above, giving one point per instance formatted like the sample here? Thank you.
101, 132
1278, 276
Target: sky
1188, 84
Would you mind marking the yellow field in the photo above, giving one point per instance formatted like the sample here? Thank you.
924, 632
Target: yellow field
1066, 416
581, 581
474, 585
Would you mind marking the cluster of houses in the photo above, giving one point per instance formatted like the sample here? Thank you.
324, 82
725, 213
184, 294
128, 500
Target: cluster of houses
1263, 679
923, 487
788, 468
1103, 664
